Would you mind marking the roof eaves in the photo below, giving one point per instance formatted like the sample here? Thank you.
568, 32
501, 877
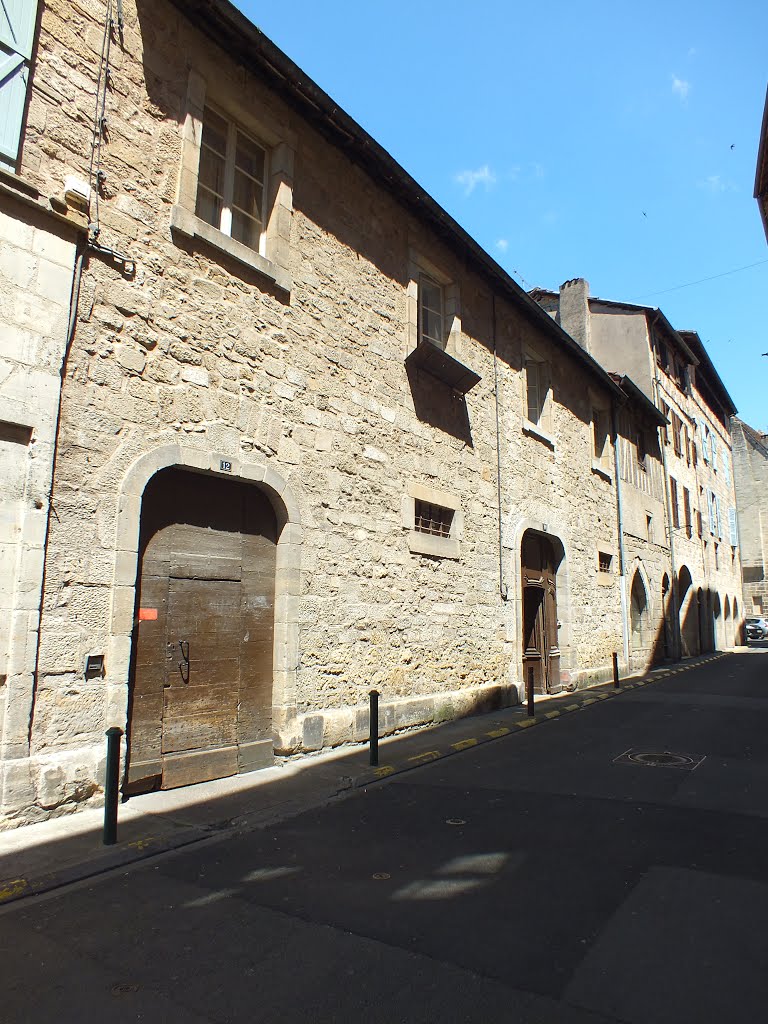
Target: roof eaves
761, 172
711, 372
637, 396
226, 26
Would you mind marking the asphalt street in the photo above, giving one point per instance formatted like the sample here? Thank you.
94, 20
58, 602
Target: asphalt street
550, 876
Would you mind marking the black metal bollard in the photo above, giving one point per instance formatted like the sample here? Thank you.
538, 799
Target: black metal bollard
529, 692
615, 669
373, 727
112, 785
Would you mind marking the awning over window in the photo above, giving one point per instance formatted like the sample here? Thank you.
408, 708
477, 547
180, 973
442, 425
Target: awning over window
437, 363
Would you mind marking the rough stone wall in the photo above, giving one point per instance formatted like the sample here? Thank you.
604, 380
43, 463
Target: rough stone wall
750, 464
197, 352
36, 268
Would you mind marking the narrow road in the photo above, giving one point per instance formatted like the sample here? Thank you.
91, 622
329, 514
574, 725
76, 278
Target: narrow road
541, 878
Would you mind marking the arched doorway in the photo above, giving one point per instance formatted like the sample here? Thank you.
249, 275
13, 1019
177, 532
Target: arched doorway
716, 619
541, 651
688, 613
666, 632
201, 671
638, 617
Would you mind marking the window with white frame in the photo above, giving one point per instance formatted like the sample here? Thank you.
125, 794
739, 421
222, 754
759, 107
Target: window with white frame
235, 190
231, 180
431, 311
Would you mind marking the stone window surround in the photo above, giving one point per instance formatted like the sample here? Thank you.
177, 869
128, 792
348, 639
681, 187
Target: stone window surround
281, 146
418, 265
542, 428
600, 463
606, 579
424, 543
287, 576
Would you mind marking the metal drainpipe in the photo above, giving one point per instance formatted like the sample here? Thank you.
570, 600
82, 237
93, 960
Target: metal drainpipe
677, 642
73, 304
620, 518
502, 584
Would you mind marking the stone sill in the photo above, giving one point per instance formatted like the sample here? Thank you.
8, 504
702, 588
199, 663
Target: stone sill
186, 223
605, 579
16, 187
435, 547
534, 430
598, 470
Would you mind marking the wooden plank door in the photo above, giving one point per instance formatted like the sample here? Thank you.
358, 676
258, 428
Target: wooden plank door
201, 688
200, 698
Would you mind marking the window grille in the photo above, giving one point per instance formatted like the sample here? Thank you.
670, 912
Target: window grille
433, 519
604, 561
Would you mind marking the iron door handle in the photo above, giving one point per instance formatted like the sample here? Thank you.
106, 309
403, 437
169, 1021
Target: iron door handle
184, 664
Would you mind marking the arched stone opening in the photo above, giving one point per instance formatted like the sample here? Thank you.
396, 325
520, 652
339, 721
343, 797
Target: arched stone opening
540, 558
272, 718
639, 618
688, 613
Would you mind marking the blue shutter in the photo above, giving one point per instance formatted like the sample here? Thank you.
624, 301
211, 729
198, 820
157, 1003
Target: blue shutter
17, 32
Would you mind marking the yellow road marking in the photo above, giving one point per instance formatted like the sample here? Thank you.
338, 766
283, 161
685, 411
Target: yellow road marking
552, 714
384, 770
14, 888
463, 744
572, 707
526, 722
428, 755
495, 733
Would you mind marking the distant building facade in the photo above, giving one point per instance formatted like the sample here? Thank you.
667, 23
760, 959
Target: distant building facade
750, 463
698, 599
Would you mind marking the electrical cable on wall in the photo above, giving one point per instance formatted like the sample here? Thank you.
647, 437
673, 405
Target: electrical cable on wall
96, 174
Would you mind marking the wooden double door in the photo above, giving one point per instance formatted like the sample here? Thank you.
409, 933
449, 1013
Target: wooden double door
201, 694
541, 651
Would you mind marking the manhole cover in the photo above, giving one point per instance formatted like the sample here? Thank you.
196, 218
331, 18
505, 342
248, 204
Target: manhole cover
455, 821
659, 759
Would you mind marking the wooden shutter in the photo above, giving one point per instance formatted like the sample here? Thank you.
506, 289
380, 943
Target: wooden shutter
17, 32
712, 513
733, 528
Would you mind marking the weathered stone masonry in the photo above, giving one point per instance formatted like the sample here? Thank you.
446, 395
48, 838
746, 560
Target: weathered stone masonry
290, 367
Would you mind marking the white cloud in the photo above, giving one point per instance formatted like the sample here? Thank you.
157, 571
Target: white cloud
471, 179
502, 245
680, 87
715, 183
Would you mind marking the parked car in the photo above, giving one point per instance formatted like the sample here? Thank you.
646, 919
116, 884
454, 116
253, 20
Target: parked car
756, 628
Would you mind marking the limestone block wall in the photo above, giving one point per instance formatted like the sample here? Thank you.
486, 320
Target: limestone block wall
298, 382
750, 463
37, 256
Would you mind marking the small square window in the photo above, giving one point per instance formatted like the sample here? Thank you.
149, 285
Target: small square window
432, 519
604, 561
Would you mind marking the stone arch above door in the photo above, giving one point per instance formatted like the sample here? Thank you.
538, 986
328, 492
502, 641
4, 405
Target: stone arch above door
287, 577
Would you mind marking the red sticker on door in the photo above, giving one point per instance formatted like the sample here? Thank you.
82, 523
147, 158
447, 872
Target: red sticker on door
147, 614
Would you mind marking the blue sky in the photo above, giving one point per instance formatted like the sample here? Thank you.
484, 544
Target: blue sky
612, 141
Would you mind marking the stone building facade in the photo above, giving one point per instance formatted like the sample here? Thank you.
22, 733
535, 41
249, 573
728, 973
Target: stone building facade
750, 470
312, 439
691, 510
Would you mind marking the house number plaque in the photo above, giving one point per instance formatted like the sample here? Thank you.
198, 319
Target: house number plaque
225, 467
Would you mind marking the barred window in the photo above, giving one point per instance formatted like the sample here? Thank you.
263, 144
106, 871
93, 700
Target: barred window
604, 561
432, 519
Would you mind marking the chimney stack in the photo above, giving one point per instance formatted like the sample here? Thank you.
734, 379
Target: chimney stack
574, 310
